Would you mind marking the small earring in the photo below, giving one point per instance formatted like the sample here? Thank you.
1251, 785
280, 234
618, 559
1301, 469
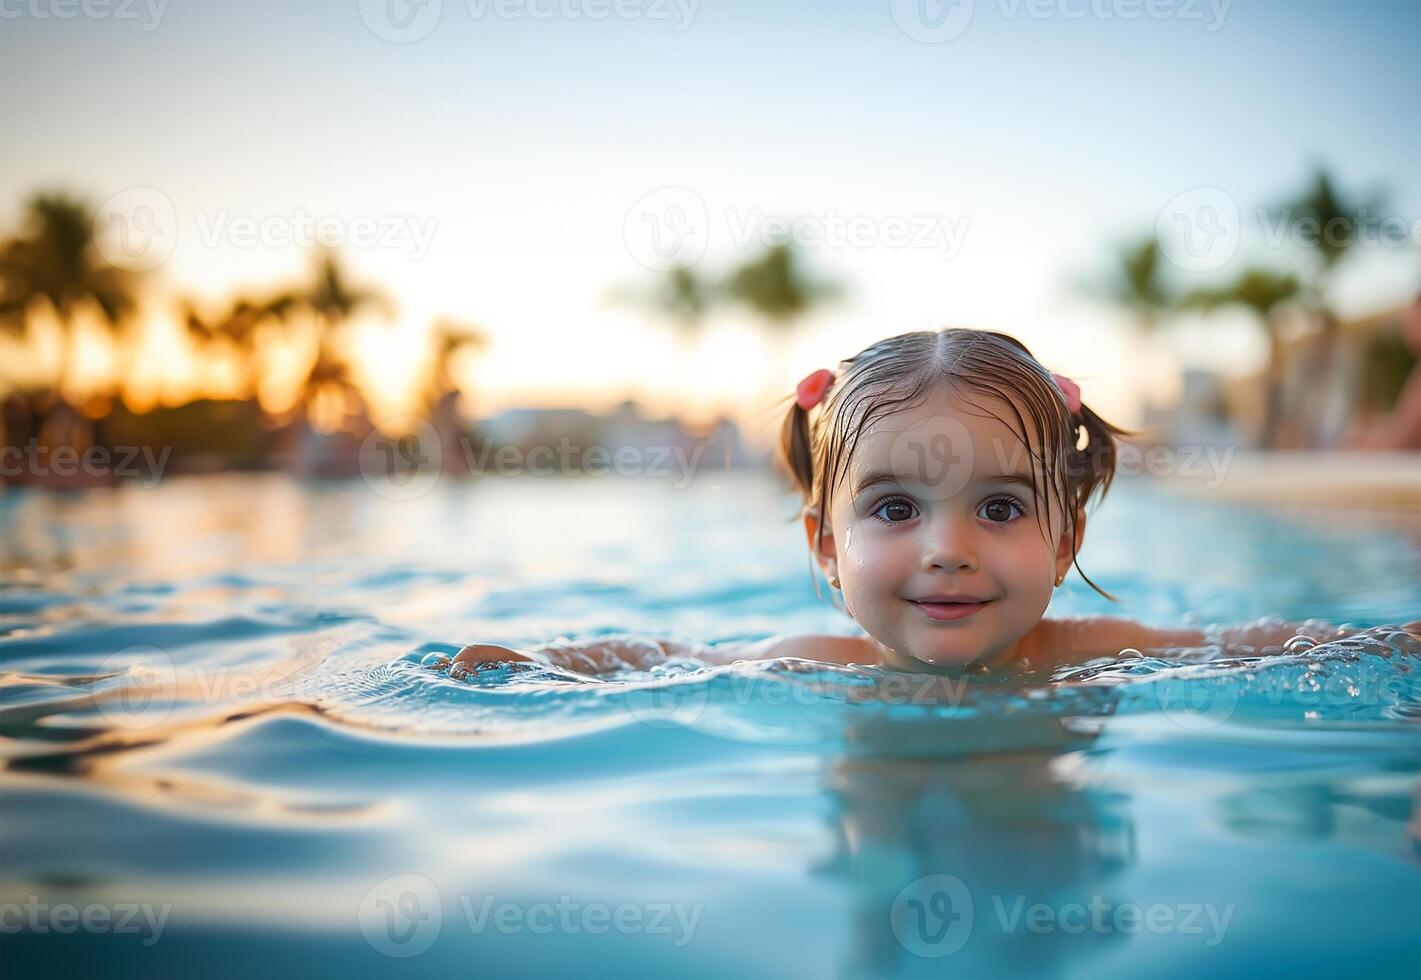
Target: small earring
1059, 580
834, 581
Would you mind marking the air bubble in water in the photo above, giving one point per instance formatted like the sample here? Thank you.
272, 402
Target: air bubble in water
1299, 644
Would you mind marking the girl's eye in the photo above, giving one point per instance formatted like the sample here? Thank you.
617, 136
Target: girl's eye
895, 511
999, 510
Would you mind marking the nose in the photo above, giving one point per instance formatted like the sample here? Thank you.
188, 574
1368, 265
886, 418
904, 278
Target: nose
950, 545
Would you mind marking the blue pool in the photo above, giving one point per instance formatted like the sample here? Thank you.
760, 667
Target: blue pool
223, 759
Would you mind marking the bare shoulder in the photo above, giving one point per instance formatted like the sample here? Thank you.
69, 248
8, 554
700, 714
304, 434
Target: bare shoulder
1100, 636
825, 648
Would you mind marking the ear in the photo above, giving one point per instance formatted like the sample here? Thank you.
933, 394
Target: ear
825, 551
1068, 542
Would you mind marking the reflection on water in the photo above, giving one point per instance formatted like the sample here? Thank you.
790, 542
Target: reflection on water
216, 732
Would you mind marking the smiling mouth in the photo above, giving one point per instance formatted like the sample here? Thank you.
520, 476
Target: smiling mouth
944, 612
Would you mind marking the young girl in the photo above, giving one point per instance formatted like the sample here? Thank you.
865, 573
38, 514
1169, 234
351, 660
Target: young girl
945, 476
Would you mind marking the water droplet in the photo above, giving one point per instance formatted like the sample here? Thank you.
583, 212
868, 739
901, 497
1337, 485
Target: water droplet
1129, 652
1299, 644
434, 661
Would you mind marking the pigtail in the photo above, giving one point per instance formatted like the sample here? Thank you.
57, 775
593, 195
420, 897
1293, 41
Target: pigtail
1092, 469
794, 454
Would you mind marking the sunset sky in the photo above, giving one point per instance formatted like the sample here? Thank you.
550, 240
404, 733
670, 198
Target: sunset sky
518, 146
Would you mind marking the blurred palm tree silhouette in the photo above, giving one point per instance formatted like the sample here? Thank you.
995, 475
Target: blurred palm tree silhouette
54, 260
334, 302
1264, 293
450, 339
1334, 220
1136, 283
777, 288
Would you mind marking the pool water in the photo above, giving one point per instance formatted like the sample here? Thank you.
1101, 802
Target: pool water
224, 758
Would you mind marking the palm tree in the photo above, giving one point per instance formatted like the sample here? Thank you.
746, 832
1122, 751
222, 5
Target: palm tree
450, 339
55, 259
1264, 293
776, 288
1135, 282
236, 326
1338, 219
333, 301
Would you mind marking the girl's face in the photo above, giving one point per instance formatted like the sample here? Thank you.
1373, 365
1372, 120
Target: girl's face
937, 504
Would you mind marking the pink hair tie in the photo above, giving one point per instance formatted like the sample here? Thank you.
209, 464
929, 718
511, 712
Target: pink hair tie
812, 389
1070, 390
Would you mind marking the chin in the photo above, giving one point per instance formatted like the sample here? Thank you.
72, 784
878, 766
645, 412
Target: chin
957, 657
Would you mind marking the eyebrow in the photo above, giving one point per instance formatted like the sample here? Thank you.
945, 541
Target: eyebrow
874, 479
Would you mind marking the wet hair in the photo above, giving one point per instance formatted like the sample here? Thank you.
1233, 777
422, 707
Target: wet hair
1077, 456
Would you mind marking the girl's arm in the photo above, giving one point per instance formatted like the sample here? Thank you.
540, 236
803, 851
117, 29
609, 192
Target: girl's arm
636, 653
1103, 636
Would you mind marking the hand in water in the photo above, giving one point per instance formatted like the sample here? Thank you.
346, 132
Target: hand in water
489, 653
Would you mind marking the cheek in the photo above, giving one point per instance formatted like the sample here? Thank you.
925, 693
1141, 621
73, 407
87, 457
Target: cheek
874, 559
1029, 562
